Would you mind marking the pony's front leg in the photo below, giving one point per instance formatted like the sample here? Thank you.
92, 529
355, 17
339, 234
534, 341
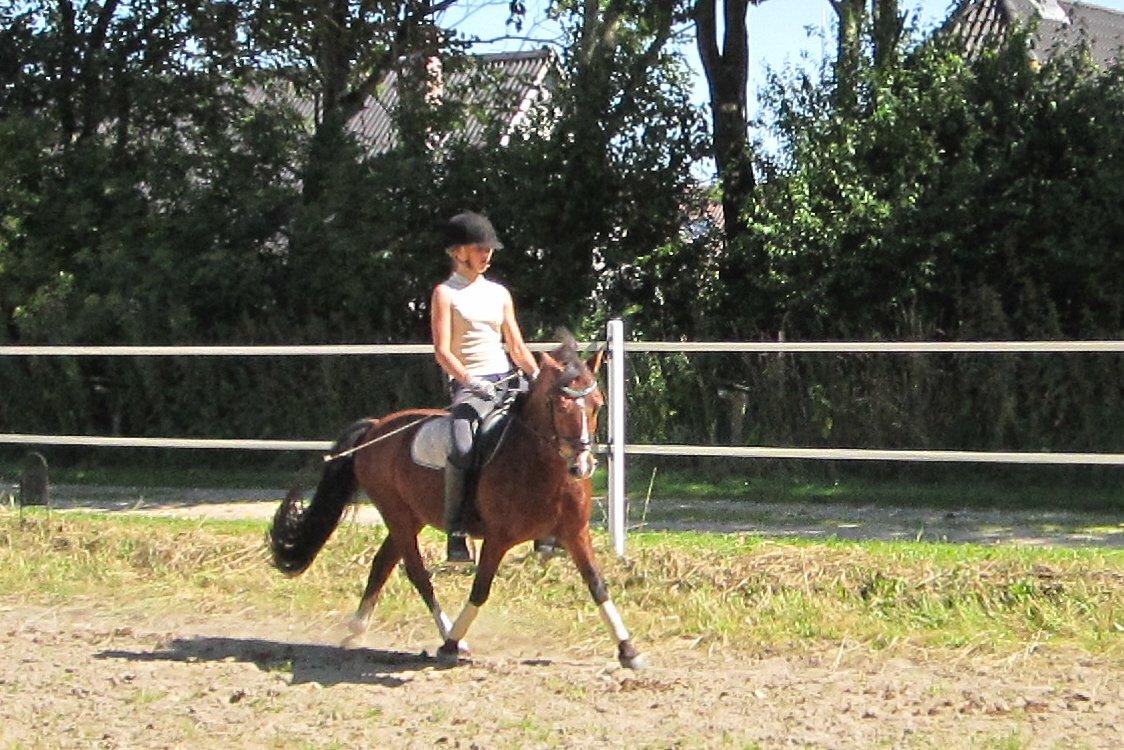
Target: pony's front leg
581, 551
491, 553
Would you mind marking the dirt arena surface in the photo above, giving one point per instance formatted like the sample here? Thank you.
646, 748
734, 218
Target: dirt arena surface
101, 674
84, 678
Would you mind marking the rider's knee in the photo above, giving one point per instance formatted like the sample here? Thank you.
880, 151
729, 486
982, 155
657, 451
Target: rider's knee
464, 432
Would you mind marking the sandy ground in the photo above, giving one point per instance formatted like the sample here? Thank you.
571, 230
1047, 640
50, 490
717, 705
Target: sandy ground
76, 678
110, 677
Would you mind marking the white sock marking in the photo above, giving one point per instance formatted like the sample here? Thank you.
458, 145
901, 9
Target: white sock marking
464, 620
612, 618
444, 624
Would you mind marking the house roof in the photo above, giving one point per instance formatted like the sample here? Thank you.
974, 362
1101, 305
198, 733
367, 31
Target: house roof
498, 88
1060, 25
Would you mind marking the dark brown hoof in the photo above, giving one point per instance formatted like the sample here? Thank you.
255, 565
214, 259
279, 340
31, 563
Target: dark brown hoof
449, 654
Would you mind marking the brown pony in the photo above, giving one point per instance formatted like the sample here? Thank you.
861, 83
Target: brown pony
537, 485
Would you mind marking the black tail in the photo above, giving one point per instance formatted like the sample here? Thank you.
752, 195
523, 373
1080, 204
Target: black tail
299, 530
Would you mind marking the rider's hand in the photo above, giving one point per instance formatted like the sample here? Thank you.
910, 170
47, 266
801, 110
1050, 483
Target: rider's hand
481, 388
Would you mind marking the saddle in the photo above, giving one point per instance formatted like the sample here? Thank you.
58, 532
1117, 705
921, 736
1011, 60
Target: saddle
434, 439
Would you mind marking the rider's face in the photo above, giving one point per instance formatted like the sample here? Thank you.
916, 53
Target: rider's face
476, 258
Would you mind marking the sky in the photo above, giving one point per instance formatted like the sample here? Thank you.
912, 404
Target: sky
780, 31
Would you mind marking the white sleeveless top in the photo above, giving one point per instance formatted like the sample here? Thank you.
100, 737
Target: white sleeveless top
477, 324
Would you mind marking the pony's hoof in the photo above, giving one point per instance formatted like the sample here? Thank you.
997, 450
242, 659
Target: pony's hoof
547, 548
449, 654
638, 662
357, 628
629, 657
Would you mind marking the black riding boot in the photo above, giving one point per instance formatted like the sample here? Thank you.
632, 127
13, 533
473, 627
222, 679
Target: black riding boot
457, 548
547, 546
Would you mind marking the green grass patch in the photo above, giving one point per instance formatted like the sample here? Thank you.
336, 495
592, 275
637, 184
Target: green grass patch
691, 590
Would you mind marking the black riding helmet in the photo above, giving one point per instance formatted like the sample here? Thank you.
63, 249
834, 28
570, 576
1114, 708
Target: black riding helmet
469, 228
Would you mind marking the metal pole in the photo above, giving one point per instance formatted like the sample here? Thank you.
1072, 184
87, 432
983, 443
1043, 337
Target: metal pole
616, 435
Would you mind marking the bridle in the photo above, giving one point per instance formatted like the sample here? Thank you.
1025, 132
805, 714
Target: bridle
585, 441
580, 444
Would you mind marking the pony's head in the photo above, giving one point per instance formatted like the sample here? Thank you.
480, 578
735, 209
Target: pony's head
572, 399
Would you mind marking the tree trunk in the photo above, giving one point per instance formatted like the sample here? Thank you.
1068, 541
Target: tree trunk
727, 75
66, 71
338, 49
849, 52
889, 22
93, 71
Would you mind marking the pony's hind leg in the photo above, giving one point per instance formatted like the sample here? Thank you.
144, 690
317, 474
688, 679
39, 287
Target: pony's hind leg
419, 576
381, 568
581, 551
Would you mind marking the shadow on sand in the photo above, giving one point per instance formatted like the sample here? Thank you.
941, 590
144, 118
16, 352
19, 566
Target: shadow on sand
308, 662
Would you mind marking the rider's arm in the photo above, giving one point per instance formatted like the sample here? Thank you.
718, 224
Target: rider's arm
441, 326
513, 337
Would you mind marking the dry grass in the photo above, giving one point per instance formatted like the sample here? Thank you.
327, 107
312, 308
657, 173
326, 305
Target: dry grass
676, 591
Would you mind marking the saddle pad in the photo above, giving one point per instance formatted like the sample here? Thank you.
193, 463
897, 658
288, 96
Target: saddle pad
433, 443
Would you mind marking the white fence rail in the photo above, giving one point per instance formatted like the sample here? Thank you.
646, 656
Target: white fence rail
859, 454
617, 446
874, 347
315, 350
141, 442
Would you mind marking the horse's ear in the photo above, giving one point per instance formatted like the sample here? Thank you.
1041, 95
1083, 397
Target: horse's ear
594, 362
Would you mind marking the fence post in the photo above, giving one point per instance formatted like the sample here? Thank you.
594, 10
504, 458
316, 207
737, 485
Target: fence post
616, 500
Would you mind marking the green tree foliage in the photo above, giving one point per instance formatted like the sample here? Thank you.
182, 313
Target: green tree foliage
158, 187
960, 176
945, 200
622, 142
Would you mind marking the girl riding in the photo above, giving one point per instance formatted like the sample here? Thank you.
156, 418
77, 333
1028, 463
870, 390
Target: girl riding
472, 318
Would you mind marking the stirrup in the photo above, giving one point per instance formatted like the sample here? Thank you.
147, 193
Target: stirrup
457, 549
